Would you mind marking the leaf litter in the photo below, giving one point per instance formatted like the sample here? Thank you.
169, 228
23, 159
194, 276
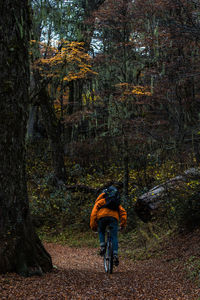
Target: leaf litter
79, 274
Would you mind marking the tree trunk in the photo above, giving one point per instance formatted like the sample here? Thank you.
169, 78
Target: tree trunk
126, 168
53, 129
70, 107
31, 122
21, 250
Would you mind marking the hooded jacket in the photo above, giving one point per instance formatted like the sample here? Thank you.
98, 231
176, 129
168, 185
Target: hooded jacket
98, 213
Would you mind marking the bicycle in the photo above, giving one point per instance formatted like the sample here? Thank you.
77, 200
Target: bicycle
108, 256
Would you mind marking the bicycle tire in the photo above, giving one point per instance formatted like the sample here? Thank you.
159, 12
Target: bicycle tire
108, 258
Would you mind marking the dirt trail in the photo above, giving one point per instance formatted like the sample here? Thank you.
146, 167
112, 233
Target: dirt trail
79, 274
84, 277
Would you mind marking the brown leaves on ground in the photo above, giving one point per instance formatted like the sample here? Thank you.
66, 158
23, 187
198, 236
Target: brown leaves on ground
79, 274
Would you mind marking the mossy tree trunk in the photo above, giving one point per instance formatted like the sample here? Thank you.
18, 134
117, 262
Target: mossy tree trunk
53, 129
21, 250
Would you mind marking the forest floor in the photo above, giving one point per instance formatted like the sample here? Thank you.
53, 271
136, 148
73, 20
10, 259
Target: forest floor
78, 274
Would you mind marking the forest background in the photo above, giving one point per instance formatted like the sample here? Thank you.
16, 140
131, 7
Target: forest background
115, 92
114, 96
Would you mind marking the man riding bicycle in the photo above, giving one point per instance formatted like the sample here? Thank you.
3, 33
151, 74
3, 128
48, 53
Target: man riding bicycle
103, 215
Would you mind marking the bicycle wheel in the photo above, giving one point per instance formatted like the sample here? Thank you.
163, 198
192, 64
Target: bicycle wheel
108, 258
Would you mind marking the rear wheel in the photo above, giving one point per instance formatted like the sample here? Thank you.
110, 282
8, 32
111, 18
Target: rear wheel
108, 259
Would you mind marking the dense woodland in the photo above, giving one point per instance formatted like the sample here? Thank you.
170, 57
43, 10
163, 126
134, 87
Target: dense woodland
93, 92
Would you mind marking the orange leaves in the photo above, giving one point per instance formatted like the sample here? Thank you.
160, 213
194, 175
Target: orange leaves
127, 90
141, 90
70, 62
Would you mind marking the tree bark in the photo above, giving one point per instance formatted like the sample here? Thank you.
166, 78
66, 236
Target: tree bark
126, 168
53, 129
21, 250
148, 204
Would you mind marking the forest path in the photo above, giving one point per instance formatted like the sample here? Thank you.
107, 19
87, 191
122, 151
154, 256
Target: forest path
79, 274
83, 277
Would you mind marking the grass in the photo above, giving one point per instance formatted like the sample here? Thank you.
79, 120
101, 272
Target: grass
192, 268
70, 236
135, 245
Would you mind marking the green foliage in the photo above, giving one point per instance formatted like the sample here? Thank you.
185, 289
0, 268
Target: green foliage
144, 242
72, 236
59, 207
183, 206
59, 211
192, 267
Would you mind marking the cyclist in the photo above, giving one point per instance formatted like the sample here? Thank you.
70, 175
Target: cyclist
101, 217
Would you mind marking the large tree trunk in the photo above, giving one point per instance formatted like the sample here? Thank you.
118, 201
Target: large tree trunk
21, 250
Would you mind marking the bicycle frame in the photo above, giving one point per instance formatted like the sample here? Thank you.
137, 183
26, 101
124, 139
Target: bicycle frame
108, 256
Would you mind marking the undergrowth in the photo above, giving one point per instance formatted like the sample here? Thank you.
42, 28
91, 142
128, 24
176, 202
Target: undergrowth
70, 236
142, 243
62, 216
192, 267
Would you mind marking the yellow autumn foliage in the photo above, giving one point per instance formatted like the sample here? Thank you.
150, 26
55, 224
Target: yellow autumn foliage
128, 89
71, 62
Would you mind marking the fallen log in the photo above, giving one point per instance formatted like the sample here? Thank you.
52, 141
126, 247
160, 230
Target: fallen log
149, 203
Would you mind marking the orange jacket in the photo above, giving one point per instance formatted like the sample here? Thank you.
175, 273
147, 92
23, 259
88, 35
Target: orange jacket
98, 213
